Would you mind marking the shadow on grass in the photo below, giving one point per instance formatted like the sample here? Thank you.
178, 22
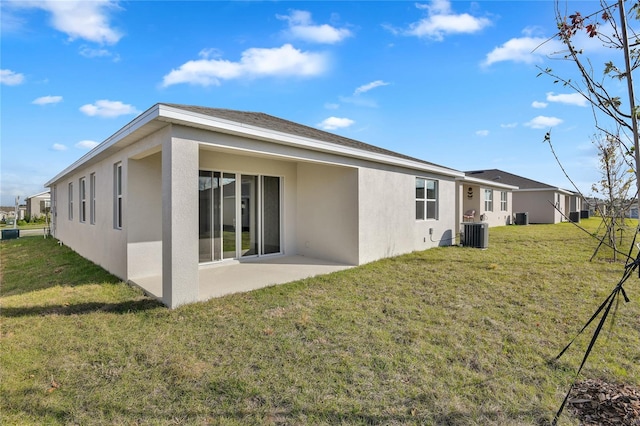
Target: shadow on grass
129, 306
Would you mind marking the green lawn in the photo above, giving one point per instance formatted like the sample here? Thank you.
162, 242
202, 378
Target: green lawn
451, 335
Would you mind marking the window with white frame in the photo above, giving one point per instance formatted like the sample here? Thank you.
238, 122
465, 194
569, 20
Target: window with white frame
92, 198
70, 200
488, 200
426, 199
117, 196
82, 197
503, 201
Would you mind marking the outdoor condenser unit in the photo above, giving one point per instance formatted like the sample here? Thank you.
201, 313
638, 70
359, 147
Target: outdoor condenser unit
475, 234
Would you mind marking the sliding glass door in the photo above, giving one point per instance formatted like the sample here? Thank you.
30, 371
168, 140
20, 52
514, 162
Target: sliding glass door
232, 226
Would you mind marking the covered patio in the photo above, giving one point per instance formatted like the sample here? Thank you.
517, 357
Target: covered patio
217, 280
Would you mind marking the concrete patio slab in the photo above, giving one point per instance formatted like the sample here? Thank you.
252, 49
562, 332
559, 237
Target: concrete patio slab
217, 280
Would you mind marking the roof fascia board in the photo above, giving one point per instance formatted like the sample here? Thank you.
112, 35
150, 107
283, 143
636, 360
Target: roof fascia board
189, 118
562, 191
487, 182
125, 131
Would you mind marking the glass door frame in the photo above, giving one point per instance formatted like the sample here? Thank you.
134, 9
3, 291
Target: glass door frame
258, 221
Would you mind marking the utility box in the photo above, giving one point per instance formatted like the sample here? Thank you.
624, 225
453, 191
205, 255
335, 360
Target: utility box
574, 217
475, 234
585, 214
522, 218
10, 234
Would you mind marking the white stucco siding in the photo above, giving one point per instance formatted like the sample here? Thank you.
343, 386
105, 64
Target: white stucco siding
144, 216
101, 242
327, 212
471, 196
387, 214
98, 242
538, 204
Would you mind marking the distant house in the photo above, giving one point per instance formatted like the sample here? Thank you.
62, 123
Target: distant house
485, 201
184, 189
543, 203
38, 205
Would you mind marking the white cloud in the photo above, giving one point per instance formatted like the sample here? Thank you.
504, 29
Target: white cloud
441, 21
86, 144
58, 147
11, 78
106, 108
45, 100
255, 62
527, 50
482, 133
210, 52
542, 122
330, 105
539, 105
89, 52
301, 27
333, 123
366, 87
568, 98
359, 101
509, 125
80, 19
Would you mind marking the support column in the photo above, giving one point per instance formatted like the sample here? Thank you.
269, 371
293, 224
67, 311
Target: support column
179, 222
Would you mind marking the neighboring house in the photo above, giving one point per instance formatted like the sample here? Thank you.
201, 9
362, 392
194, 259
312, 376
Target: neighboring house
183, 188
485, 201
543, 203
38, 204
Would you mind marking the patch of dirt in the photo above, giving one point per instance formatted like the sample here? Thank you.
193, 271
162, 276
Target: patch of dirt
595, 402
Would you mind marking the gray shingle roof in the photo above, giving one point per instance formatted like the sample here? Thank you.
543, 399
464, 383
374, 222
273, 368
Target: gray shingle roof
509, 179
265, 121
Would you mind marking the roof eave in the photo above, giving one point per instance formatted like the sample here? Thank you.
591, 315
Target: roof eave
170, 114
194, 119
486, 182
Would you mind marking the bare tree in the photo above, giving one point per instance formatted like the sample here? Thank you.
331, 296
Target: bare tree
609, 111
617, 178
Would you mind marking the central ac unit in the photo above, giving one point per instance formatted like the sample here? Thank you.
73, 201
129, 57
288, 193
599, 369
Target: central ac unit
475, 234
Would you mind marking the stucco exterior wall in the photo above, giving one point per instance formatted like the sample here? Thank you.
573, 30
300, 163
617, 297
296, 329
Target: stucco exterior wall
101, 242
33, 205
327, 212
538, 204
144, 216
472, 196
387, 214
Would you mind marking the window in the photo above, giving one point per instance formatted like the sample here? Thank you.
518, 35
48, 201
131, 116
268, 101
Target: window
70, 200
503, 201
117, 196
92, 198
82, 195
488, 200
426, 199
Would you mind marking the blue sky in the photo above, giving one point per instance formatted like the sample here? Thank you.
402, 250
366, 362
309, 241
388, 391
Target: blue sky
454, 83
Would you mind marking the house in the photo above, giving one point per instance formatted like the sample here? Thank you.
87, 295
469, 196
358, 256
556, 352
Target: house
183, 193
38, 205
481, 200
541, 202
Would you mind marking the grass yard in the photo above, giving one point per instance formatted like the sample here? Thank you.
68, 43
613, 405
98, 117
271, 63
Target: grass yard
452, 335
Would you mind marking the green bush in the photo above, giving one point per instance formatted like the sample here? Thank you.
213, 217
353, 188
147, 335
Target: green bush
22, 222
